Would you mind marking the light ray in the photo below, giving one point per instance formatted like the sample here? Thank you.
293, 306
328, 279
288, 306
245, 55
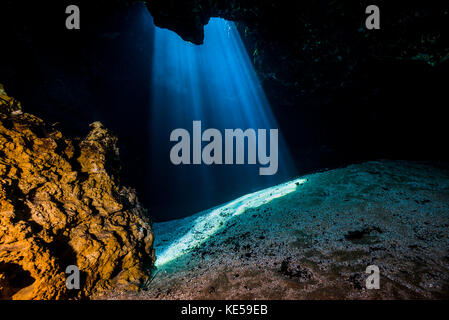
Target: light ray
214, 83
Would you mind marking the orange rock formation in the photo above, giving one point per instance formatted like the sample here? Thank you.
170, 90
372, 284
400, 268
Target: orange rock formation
61, 204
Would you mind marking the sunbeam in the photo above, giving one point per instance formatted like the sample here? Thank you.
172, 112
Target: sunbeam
214, 83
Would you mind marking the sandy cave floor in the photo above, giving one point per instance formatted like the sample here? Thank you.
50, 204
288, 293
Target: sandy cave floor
313, 240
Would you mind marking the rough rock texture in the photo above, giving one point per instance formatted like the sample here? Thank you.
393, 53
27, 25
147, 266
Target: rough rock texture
61, 204
317, 241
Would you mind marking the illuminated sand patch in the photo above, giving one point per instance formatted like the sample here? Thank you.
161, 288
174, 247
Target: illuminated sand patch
208, 224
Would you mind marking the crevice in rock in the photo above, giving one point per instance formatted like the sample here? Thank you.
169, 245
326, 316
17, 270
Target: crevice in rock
13, 278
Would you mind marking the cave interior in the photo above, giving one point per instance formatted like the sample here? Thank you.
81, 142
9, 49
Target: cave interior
340, 94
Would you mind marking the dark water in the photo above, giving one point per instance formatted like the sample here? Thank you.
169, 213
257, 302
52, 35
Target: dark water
106, 72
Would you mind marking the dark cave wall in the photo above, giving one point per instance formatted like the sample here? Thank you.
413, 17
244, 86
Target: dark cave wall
359, 99
313, 46
73, 78
307, 45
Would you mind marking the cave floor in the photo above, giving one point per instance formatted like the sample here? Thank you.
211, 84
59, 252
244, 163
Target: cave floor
317, 241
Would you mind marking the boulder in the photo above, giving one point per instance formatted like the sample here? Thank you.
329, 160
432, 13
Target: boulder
61, 204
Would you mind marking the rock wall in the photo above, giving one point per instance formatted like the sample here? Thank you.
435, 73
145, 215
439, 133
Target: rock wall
61, 204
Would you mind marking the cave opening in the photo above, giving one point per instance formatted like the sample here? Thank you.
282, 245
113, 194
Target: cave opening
215, 83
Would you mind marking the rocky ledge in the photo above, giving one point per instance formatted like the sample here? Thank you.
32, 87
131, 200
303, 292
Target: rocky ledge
61, 204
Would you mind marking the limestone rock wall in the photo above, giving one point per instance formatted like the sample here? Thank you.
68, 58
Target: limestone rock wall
61, 204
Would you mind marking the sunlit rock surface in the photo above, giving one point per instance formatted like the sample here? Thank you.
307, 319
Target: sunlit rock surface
61, 204
314, 239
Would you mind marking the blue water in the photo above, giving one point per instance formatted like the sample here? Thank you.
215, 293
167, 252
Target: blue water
216, 84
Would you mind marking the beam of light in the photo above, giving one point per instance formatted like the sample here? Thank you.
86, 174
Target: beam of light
210, 223
214, 83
